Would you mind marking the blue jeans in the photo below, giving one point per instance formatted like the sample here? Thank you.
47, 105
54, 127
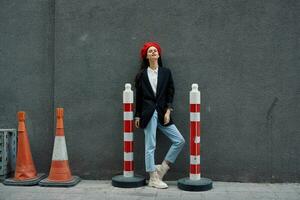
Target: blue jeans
150, 142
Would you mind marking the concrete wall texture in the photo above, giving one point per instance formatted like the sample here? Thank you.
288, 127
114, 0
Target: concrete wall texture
79, 54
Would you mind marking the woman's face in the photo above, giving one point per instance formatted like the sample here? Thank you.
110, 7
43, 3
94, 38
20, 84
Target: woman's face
152, 53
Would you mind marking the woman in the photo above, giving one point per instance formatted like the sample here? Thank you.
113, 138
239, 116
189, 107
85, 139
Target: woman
154, 97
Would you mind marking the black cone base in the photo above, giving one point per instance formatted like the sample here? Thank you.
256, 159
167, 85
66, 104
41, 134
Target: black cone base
47, 183
128, 182
186, 184
29, 182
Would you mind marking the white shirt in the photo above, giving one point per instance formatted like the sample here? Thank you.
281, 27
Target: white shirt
152, 75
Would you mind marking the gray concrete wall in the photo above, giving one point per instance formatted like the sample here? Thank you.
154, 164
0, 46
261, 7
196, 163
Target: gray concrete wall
243, 54
26, 72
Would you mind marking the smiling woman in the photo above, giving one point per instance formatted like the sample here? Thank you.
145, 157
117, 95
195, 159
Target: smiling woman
154, 97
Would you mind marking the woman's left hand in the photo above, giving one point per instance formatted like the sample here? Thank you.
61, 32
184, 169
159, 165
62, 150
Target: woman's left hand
167, 117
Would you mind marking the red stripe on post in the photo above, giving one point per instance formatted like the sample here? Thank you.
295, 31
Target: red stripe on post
194, 132
128, 107
128, 146
195, 129
128, 165
194, 107
194, 148
195, 169
128, 126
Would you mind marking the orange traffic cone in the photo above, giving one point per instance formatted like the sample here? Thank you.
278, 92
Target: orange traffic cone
60, 173
25, 173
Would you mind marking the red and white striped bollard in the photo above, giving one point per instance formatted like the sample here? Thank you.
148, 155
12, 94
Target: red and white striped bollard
128, 179
195, 106
195, 182
128, 167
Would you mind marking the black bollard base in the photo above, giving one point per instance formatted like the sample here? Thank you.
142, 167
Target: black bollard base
128, 182
187, 184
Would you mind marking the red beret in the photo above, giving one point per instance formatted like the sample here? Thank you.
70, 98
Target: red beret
146, 47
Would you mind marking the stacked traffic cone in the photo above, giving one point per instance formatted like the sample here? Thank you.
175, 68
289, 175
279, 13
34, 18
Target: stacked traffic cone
25, 173
60, 173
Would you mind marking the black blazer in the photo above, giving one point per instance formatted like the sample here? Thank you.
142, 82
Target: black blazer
146, 102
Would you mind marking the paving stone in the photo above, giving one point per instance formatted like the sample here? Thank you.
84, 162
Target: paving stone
216, 195
288, 195
104, 191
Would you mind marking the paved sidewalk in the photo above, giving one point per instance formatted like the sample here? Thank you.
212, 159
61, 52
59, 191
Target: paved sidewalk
89, 190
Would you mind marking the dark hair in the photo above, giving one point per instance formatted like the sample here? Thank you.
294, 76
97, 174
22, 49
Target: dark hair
144, 65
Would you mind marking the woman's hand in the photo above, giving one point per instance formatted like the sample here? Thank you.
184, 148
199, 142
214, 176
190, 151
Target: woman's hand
167, 117
137, 123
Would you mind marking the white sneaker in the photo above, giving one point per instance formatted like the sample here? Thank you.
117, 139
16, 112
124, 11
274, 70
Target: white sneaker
156, 182
162, 170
